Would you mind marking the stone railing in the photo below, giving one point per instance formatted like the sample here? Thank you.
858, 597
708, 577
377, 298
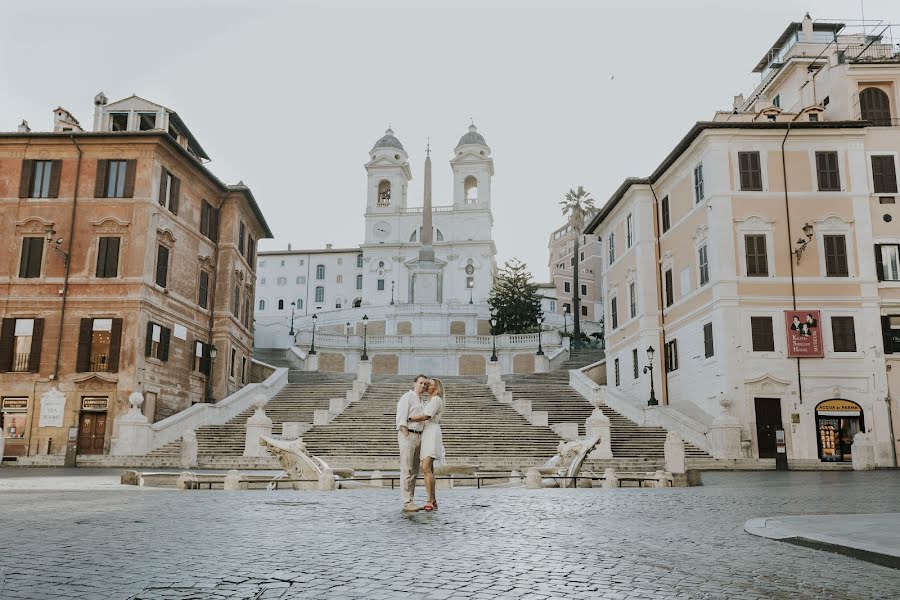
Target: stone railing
134, 435
558, 356
550, 340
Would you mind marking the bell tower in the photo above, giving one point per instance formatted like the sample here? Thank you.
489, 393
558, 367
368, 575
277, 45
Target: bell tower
388, 176
473, 168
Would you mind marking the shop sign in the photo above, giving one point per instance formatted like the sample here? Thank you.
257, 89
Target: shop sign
804, 336
53, 405
838, 406
15, 403
94, 403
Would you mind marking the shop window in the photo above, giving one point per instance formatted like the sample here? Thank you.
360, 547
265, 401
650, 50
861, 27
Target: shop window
14, 422
837, 421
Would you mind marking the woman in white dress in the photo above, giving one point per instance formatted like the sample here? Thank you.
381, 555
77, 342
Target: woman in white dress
432, 442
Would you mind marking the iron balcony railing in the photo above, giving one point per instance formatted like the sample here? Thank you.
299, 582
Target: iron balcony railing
100, 363
20, 362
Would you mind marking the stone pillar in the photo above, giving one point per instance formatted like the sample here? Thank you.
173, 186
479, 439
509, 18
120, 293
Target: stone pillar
133, 433
515, 477
674, 451
312, 362
493, 372
2, 447
257, 425
364, 371
610, 480
291, 430
863, 452
533, 479
376, 479
327, 481
724, 435
598, 424
232, 481
189, 449
184, 479
662, 479
541, 363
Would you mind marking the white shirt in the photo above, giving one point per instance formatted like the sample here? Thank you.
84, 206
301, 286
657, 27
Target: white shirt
410, 405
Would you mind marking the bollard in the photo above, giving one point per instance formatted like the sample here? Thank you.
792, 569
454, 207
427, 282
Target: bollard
533, 479
184, 480
376, 479
662, 479
232, 481
610, 480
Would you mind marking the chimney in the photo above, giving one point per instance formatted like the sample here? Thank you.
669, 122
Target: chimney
806, 26
23, 127
100, 101
289, 247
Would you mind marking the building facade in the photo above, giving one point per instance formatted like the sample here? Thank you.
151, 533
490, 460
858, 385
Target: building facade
561, 249
762, 267
129, 267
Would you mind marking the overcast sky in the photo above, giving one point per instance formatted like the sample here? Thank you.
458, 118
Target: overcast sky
290, 96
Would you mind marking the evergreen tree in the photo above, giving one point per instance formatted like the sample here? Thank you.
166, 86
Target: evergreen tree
514, 300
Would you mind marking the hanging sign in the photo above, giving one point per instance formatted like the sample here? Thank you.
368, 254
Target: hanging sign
804, 336
15, 403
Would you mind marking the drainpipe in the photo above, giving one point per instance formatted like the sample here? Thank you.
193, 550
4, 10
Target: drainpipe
664, 378
787, 211
65, 292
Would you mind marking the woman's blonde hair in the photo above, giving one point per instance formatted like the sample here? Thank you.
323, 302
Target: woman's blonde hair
438, 387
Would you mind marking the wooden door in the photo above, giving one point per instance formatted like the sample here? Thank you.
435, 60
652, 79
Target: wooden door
768, 420
91, 432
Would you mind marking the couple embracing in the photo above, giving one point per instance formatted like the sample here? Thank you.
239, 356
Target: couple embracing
419, 436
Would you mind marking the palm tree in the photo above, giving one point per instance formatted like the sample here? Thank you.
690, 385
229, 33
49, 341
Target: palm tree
576, 205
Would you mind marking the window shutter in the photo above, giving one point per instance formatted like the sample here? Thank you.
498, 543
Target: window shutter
174, 196
830, 258
83, 357
205, 360
214, 224
162, 265
890, 175
25, 178
148, 346
886, 337
879, 263
162, 187
37, 339
55, 168
112, 257
164, 344
100, 183
204, 218
115, 345
7, 340
130, 168
101, 257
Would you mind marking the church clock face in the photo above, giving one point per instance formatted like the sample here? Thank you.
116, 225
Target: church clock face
382, 229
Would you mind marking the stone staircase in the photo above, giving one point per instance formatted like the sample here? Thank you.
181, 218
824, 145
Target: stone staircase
477, 429
581, 358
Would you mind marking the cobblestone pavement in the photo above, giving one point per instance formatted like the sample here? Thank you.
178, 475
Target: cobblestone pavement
500, 543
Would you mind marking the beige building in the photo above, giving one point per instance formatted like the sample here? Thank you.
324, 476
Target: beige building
782, 207
561, 249
128, 265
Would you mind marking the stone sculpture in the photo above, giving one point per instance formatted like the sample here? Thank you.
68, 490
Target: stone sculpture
299, 464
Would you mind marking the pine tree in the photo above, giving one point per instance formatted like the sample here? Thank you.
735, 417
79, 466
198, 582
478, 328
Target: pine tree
514, 300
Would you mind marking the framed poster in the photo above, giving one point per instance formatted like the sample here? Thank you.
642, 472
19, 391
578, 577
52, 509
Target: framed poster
804, 335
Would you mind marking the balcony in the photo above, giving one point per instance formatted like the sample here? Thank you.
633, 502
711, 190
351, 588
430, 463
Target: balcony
20, 362
100, 363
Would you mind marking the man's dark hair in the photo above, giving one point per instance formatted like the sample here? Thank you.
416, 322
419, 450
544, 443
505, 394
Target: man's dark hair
422, 375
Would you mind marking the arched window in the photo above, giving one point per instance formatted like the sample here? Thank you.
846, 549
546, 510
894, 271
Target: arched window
299, 303
437, 235
281, 305
471, 189
874, 106
320, 294
262, 305
338, 302
384, 193
413, 235
359, 282
357, 303
359, 260
320, 271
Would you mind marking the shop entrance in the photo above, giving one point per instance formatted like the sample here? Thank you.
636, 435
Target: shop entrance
92, 425
13, 420
837, 421
768, 421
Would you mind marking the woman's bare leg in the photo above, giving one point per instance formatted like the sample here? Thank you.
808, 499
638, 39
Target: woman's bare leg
428, 471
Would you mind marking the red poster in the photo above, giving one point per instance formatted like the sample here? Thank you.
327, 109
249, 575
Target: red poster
804, 334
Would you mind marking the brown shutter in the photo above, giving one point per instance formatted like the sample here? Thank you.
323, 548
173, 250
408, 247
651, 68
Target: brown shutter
164, 344
101, 257
204, 218
205, 360
214, 224
115, 345
162, 188
100, 182
37, 339
830, 262
112, 257
879, 264
886, 337
7, 340
83, 358
25, 178
56, 167
890, 175
176, 190
130, 168
148, 346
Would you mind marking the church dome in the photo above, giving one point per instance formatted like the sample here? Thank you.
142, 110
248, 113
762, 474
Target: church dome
473, 137
389, 141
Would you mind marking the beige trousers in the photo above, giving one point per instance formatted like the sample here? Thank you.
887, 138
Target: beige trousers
409, 463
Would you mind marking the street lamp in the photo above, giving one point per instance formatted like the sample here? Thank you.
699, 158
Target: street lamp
347, 331
494, 338
392, 292
653, 401
212, 351
540, 351
565, 312
365, 321
293, 306
312, 345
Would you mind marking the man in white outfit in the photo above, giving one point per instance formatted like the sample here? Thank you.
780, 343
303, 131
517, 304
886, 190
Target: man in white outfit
409, 438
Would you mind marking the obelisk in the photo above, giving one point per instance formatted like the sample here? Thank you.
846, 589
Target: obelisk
426, 252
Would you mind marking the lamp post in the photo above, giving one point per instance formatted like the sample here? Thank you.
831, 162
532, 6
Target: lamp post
212, 352
312, 345
540, 351
392, 292
293, 306
652, 401
565, 312
365, 321
494, 338
347, 331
